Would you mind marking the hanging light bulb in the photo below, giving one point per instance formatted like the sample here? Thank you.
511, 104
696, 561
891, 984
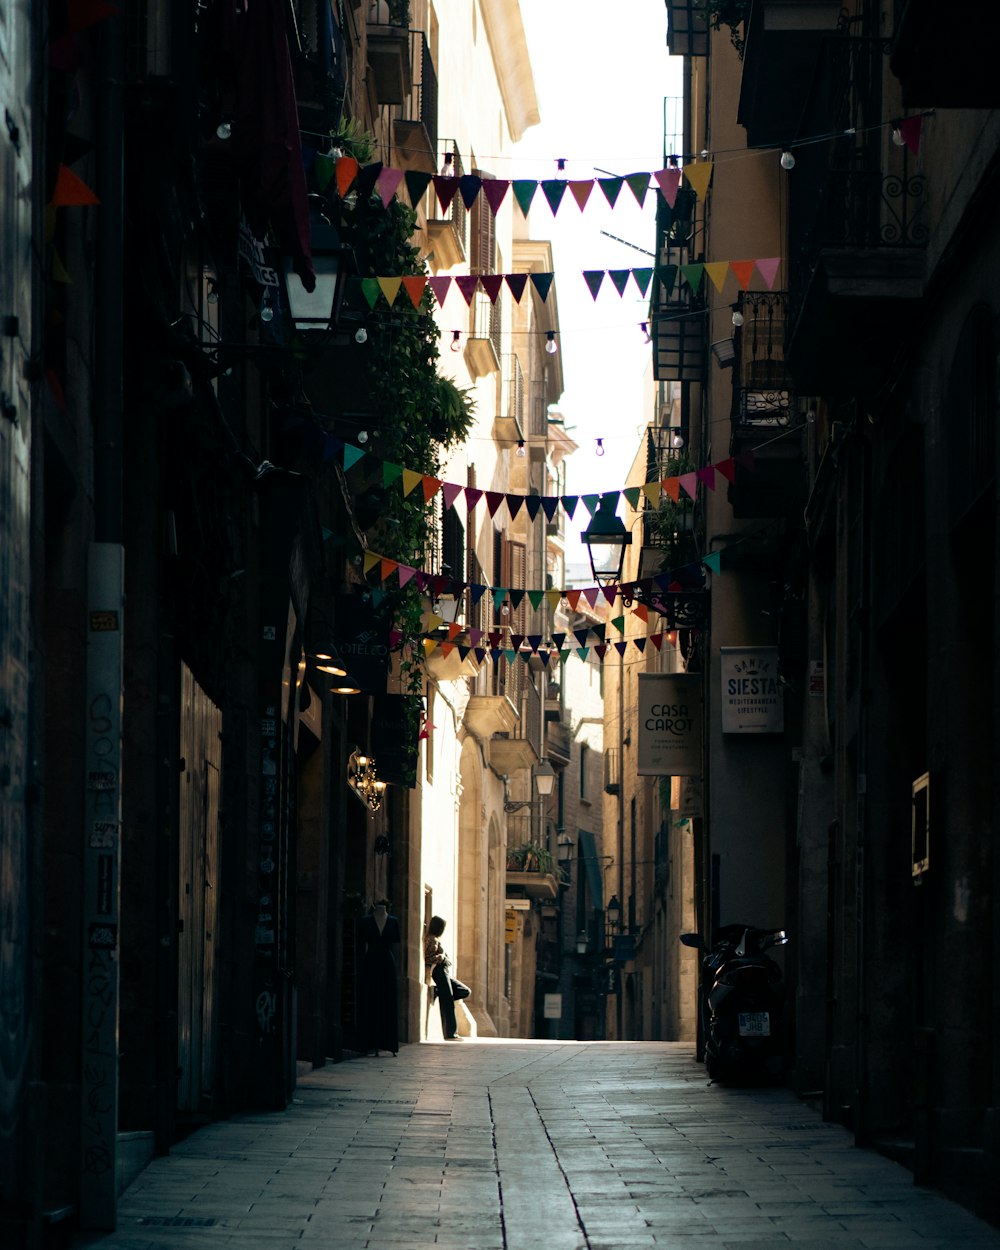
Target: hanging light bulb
361, 335
599, 449
897, 135
737, 317
505, 609
677, 440
266, 309
520, 453
551, 346
704, 154
644, 327
224, 130
456, 336
362, 436
213, 291
787, 160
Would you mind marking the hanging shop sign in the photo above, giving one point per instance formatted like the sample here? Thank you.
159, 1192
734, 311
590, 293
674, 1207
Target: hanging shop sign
669, 724
752, 700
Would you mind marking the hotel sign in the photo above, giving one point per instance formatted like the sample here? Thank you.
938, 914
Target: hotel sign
669, 725
752, 699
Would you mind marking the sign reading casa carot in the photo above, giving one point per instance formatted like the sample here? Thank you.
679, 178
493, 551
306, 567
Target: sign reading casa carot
752, 701
669, 728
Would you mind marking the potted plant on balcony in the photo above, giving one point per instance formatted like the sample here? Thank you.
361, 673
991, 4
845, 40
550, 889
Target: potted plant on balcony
529, 857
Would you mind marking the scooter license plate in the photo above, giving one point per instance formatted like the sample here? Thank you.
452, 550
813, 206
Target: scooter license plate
755, 1024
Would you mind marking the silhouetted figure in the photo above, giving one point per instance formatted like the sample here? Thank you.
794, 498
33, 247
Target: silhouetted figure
438, 966
378, 936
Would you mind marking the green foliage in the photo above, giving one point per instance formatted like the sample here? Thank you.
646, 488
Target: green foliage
353, 140
731, 13
530, 857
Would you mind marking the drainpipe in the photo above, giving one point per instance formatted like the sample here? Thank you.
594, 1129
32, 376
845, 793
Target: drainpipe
101, 850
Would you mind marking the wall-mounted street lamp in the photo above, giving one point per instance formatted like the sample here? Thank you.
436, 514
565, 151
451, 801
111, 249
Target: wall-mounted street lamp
544, 778
364, 781
607, 529
319, 309
613, 915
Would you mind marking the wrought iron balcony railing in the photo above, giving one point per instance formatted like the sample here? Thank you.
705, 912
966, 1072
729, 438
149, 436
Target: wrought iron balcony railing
763, 392
420, 107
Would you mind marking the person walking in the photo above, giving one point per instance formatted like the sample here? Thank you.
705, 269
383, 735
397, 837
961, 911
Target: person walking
438, 965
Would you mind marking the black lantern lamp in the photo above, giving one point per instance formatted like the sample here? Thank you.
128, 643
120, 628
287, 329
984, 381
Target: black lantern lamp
606, 529
614, 915
319, 309
545, 778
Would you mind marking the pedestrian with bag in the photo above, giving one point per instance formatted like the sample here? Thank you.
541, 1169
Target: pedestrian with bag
438, 968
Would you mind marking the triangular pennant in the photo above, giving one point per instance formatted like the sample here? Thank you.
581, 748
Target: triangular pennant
690, 483
514, 503
499, 595
463, 652
516, 283
718, 271
909, 129
671, 487
371, 290
668, 180
594, 278
491, 284
620, 647
476, 592
534, 641
713, 562
467, 283
638, 184
581, 635
387, 567
610, 594
590, 502
554, 189
742, 272
346, 171
611, 188
453, 631
367, 177
323, 167
549, 505
472, 496
569, 503
619, 623
369, 562
583, 652
431, 487
495, 189
480, 654
656, 640
693, 274
450, 491
707, 476
768, 270
643, 277
430, 644
563, 656
447, 648
581, 189
599, 630
405, 574
641, 611
541, 282
667, 275
552, 598
601, 649
439, 284
632, 494
515, 597
351, 456
746, 459
511, 656
468, 188
445, 187
417, 183
620, 278
699, 175
652, 492
558, 640
71, 191
573, 598
494, 499
535, 599
411, 479
590, 593
387, 183
727, 468
389, 288
524, 192
532, 504
639, 644
414, 285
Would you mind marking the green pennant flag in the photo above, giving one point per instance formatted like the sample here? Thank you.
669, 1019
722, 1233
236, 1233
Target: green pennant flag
632, 494
643, 277
620, 278
583, 652
638, 185
619, 623
351, 456
713, 561
535, 597
371, 290
590, 502
611, 187
692, 275
323, 167
564, 656
593, 279
327, 534
391, 473
555, 189
668, 276
511, 656
499, 595
524, 192
569, 503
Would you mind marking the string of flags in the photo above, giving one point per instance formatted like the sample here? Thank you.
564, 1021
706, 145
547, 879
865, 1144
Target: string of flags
346, 173
669, 277
556, 651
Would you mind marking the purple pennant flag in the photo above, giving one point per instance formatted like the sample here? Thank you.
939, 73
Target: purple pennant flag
439, 284
707, 475
491, 284
516, 282
467, 283
495, 189
445, 187
472, 496
450, 492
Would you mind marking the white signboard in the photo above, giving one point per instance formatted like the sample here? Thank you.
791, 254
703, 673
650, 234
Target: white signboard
752, 699
552, 1007
669, 724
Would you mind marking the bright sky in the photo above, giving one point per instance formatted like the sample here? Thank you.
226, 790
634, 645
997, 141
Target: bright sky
601, 77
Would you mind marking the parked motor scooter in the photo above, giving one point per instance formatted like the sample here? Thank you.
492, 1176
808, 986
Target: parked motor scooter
742, 1004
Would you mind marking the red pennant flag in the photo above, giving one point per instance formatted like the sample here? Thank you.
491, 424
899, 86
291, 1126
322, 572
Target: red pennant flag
71, 191
447, 648
742, 272
491, 284
573, 598
727, 468
345, 173
439, 285
453, 631
601, 649
495, 189
516, 282
387, 568
909, 129
580, 190
445, 187
668, 181
431, 487
467, 283
656, 640
493, 501
672, 487
413, 285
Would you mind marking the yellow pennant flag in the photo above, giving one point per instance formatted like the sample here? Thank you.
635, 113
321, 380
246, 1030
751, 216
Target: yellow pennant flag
553, 597
390, 288
652, 492
429, 645
699, 176
371, 559
411, 479
718, 271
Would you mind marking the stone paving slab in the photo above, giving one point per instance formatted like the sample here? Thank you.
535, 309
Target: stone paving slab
505, 1145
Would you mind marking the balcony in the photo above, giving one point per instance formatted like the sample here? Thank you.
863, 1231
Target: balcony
687, 27
447, 235
678, 340
482, 349
784, 39
489, 714
521, 748
946, 58
557, 743
414, 128
508, 424
388, 54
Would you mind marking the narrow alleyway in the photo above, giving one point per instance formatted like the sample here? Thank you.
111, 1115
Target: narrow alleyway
524, 1146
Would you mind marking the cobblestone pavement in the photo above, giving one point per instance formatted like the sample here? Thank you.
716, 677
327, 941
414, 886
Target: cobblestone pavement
499, 1145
